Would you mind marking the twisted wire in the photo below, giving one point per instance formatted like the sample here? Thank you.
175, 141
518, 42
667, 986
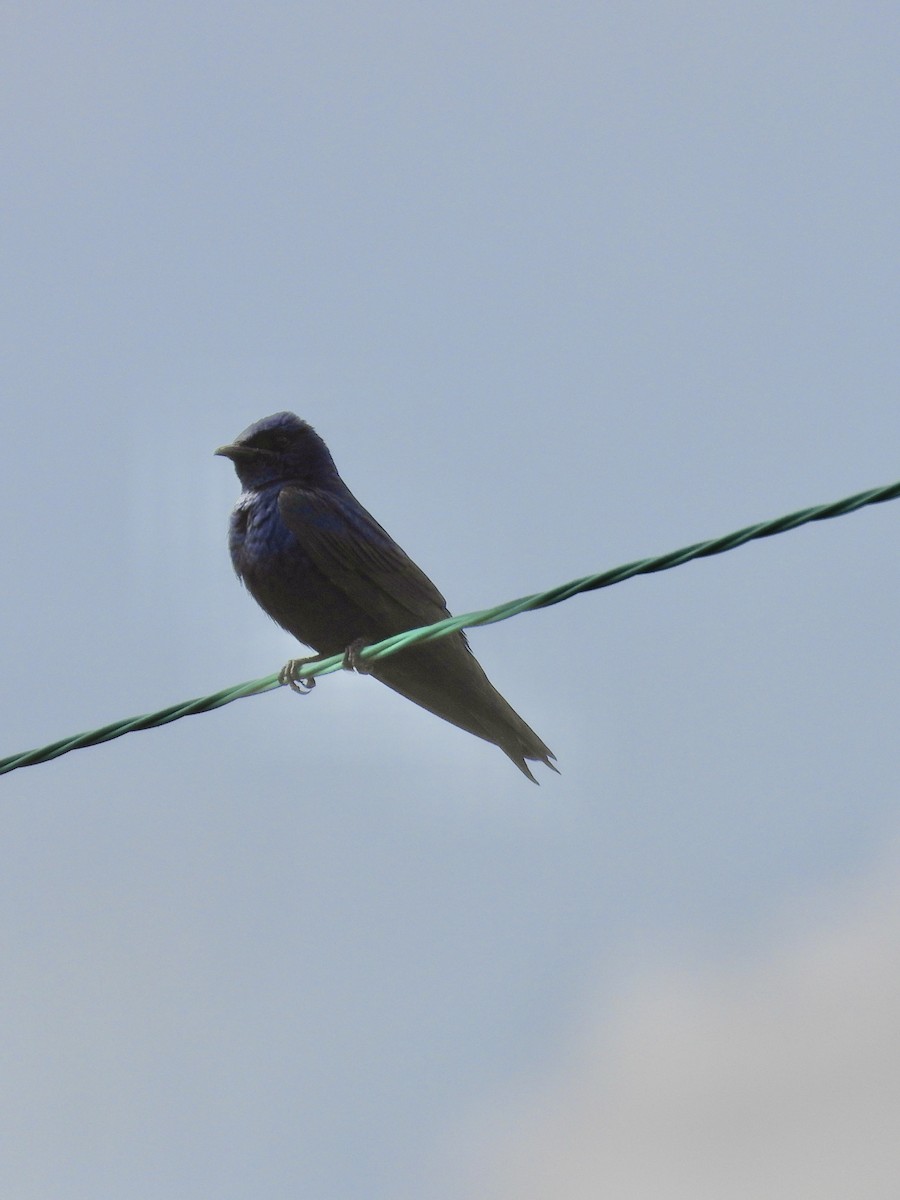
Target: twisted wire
487, 616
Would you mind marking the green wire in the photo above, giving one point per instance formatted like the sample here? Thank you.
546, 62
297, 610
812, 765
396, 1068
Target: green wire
487, 616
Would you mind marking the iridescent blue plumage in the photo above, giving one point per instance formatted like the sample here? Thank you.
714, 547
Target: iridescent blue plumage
326, 571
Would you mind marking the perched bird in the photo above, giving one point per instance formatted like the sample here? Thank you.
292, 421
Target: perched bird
326, 571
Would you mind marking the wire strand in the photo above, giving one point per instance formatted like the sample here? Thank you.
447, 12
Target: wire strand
487, 616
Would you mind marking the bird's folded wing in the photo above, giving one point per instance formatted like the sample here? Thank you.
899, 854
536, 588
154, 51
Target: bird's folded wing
355, 554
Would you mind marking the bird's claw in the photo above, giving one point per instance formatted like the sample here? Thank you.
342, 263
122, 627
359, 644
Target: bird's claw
290, 674
352, 660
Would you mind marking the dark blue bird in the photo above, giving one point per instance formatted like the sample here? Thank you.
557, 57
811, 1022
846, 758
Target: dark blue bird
326, 571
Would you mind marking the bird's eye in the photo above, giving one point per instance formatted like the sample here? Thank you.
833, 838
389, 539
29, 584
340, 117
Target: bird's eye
272, 439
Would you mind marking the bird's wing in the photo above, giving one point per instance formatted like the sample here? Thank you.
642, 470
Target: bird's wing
352, 550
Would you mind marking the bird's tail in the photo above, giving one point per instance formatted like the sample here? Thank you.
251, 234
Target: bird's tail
445, 678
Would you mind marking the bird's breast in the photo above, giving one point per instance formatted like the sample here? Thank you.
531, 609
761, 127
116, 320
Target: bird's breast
258, 535
280, 575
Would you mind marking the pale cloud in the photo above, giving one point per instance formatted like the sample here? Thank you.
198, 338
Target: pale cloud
776, 1077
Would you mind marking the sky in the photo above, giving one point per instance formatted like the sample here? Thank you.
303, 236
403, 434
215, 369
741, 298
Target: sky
562, 286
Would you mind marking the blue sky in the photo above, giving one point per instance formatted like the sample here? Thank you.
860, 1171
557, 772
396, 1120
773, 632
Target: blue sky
561, 286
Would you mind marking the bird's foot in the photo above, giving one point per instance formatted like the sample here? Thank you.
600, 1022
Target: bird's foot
352, 660
291, 674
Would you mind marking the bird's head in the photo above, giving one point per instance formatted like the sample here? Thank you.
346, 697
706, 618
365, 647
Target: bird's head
280, 449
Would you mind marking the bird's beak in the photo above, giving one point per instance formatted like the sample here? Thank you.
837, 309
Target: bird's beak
236, 453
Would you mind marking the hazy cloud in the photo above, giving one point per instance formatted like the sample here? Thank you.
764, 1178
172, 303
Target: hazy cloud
778, 1077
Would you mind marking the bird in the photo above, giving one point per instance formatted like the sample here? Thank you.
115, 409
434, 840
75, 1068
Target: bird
323, 568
